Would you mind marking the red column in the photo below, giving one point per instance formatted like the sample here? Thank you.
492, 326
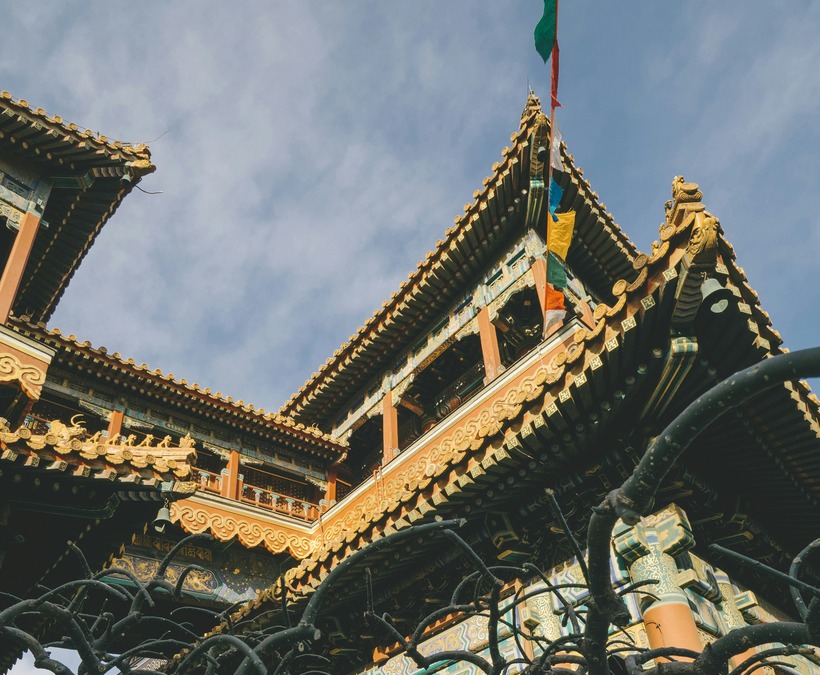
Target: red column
671, 624
489, 345
230, 481
115, 423
390, 428
539, 273
16, 264
330, 493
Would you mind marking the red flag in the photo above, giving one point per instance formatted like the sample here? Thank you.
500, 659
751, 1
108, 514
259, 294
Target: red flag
554, 89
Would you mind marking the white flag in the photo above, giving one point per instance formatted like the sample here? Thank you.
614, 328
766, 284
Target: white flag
555, 154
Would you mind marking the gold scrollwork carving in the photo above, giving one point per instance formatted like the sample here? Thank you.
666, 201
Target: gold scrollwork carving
30, 377
195, 519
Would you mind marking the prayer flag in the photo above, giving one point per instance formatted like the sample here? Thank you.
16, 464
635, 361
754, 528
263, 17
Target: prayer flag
556, 192
555, 309
560, 233
545, 30
556, 274
555, 154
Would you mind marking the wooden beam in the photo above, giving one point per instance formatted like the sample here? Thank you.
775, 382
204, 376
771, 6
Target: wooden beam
115, 423
489, 345
390, 428
411, 405
16, 263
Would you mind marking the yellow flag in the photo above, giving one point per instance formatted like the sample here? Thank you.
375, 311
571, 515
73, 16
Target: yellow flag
560, 233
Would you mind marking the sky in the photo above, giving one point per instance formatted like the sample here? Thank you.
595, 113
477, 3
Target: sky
310, 153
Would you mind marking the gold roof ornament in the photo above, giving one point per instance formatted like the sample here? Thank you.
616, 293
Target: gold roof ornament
70, 446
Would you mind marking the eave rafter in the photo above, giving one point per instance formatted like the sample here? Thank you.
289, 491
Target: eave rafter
502, 204
529, 417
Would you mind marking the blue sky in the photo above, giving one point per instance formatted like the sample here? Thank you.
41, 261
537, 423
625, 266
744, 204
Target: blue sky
309, 153
313, 152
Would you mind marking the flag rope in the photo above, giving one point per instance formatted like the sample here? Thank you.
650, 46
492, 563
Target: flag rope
553, 101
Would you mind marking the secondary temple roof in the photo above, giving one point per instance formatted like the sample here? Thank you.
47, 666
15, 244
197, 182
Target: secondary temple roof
66, 448
81, 355
90, 174
507, 202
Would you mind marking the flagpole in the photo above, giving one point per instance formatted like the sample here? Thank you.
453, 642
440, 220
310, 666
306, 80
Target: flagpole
553, 92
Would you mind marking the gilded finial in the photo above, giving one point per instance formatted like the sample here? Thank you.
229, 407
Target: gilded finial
685, 192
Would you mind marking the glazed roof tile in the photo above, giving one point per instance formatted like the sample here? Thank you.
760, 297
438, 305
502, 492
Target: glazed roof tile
89, 168
601, 250
422, 487
37, 122
304, 434
64, 448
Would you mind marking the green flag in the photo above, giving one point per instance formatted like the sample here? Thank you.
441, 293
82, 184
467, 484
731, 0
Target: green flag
556, 274
544, 32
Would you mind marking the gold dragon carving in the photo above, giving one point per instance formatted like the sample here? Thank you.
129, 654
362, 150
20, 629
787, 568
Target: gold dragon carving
683, 192
703, 242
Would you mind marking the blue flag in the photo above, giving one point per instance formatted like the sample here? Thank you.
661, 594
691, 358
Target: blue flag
556, 192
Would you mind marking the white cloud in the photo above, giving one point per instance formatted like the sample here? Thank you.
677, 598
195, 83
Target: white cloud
314, 153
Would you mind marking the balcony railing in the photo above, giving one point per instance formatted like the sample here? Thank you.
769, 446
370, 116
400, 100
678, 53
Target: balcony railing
209, 481
288, 506
261, 497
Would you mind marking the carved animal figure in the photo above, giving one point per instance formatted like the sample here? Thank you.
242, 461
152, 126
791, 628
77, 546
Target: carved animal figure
702, 245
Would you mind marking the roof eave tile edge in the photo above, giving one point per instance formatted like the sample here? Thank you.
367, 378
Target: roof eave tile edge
283, 423
51, 305
529, 121
382, 315
21, 106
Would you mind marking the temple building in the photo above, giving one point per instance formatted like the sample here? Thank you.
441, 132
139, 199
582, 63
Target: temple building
452, 401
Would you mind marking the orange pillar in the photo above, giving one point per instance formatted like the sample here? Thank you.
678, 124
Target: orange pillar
649, 549
115, 423
669, 623
330, 493
489, 345
539, 273
230, 480
16, 264
390, 428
